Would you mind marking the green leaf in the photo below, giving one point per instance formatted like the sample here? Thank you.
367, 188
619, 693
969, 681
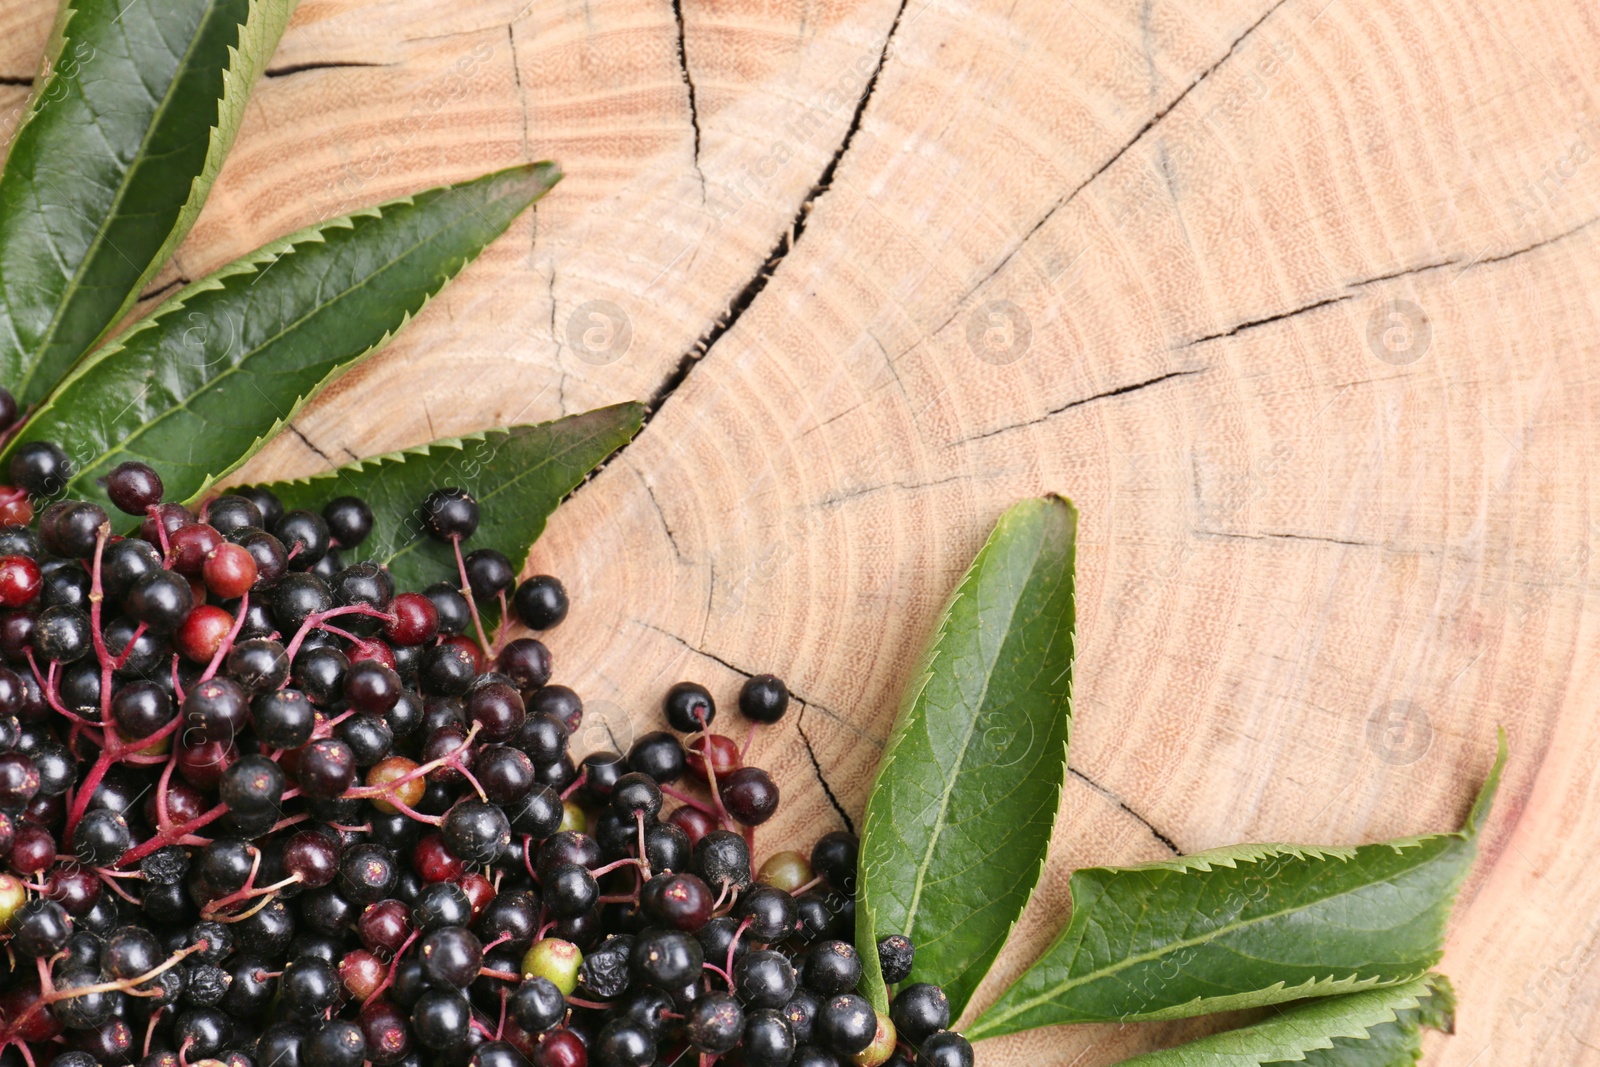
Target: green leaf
959, 819
518, 475
139, 103
1376, 1028
199, 385
1243, 927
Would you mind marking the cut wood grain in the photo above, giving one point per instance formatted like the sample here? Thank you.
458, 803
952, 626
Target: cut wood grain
1293, 297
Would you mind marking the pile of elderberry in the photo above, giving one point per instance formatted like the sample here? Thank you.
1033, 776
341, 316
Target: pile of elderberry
260, 808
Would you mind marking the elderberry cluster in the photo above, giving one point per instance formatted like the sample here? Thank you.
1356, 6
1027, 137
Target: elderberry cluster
260, 808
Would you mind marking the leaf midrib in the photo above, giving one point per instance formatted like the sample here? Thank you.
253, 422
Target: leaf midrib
75, 278
1215, 934
255, 351
966, 742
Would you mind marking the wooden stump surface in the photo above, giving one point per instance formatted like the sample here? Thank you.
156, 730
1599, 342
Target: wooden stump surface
1293, 298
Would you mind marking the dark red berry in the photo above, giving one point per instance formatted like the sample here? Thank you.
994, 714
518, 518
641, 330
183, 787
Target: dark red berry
416, 620
229, 571
20, 581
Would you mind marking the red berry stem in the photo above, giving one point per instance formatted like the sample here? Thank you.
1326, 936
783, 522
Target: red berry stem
388, 979
317, 618
684, 798
227, 642
466, 591
577, 784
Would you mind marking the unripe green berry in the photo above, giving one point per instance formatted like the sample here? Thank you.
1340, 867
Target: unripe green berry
882, 1046
573, 818
556, 960
787, 871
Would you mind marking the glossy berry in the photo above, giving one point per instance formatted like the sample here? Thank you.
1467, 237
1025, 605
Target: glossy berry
283, 718
750, 795
191, 545
831, 967
62, 634
253, 784
416, 620
450, 513
541, 602
451, 956
202, 633
476, 832
763, 698
160, 600
667, 959
767, 1040
369, 737
454, 613
555, 960
771, 912
765, 979
846, 1024
232, 512
895, 956
489, 573
945, 1049
526, 661
718, 750
538, 1005
918, 1010
505, 773
446, 670
499, 710
834, 858
312, 858
101, 837
561, 1048
305, 535
327, 768
624, 1044
229, 571
215, 710
636, 793
371, 687
557, 701
71, 529
722, 858
40, 929
40, 467
441, 904
367, 873
787, 870
349, 520
715, 1024
689, 707
658, 755
336, 1043
681, 901
20, 581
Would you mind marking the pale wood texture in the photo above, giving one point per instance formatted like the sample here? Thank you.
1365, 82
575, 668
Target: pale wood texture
1199, 208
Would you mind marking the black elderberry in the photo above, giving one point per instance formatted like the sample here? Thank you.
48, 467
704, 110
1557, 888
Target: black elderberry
161, 600
441, 1018
364, 585
56, 768
541, 602
539, 813
801, 1015
637, 793
66, 584
526, 662
666, 848
294, 598
846, 1024
717, 936
659, 755
283, 718
309, 986
831, 967
770, 911
214, 710
331, 563
327, 769
449, 513
715, 1024
372, 687
441, 904
513, 915
623, 1044
308, 531
451, 956
205, 984
40, 928
336, 1043
489, 573
259, 665
763, 698
370, 739
62, 634
124, 562
101, 837
272, 559
722, 858
249, 990
689, 707
476, 832
945, 1049
40, 467
648, 1009
750, 795
455, 614
446, 670
834, 858
542, 737
366, 873
895, 956
765, 979
569, 890
349, 520
607, 971
667, 959
918, 1010
767, 1040
232, 512
253, 784
80, 1011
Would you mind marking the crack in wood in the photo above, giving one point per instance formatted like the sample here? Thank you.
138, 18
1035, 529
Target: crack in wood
291, 69
665, 525
816, 766
162, 290
292, 428
18, 80
688, 82
1122, 390
1062, 203
1251, 324
1119, 802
